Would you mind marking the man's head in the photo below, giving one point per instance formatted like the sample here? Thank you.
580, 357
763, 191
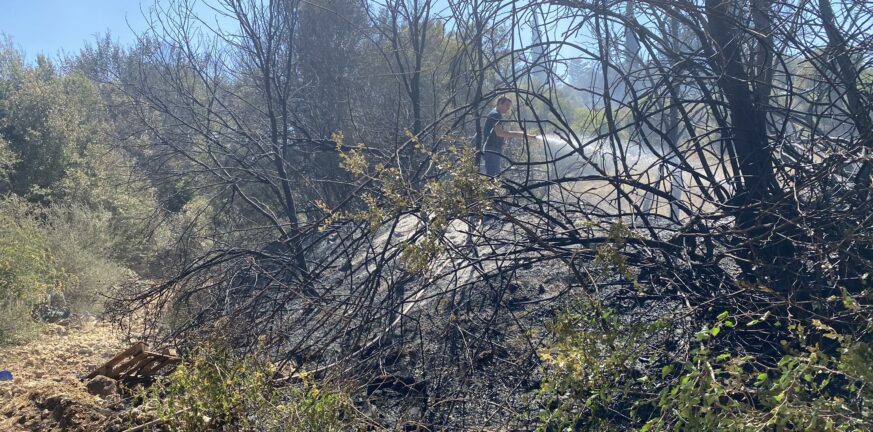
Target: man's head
503, 104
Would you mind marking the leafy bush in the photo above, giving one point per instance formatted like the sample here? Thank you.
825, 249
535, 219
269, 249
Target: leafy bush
56, 150
219, 390
70, 194
7, 161
60, 249
81, 242
766, 365
28, 271
590, 365
819, 379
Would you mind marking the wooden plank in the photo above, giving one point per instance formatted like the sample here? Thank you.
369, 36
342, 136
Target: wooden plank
107, 368
157, 366
148, 365
143, 368
122, 370
136, 364
132, 368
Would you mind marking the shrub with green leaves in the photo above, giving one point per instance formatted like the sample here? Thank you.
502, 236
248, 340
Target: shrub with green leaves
81, 241
27, 270
59, 249
218, 390
815, 385
590, 366
56, 150
7, 161
820, 381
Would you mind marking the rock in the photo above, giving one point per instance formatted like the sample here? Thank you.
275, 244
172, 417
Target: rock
54, 329
102, 386
113, 399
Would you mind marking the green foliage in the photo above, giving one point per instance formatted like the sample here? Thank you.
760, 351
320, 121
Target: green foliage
28, 272
53, 250
460, 191
418, 257
609, 258
120, 201
218, 390
55, 150
590, 365
814, 385
587, 121
807, 389
7, 161
81, 241
605, 372
48, 121
86, 213
457, 192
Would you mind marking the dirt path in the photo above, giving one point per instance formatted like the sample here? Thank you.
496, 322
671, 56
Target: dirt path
46, 393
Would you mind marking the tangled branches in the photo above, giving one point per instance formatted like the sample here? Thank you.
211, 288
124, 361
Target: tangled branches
699, 188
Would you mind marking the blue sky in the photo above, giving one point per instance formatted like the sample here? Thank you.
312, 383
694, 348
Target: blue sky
52, 26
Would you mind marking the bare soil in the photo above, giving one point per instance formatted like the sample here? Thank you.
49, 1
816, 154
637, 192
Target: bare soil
47, 393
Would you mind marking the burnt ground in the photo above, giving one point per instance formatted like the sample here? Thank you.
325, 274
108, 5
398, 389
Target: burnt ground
473, 366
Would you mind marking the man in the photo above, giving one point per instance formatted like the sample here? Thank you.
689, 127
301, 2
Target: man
495, 135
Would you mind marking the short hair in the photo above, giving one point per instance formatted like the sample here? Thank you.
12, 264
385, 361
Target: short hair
503, 99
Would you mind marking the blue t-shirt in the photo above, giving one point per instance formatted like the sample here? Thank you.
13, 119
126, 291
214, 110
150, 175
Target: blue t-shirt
492, 141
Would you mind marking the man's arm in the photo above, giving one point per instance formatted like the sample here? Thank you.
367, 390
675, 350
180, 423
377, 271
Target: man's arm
499, 131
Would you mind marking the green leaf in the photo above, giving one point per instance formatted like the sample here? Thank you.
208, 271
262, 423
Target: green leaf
848, 301
722, 315
779, 397
715, 331
824, 383
762, 377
